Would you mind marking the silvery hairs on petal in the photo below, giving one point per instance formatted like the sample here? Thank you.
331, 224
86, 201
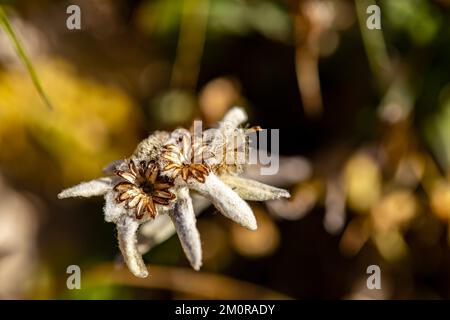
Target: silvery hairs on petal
149, 148
183, 218
126, 234
112, 210
233, 118
253, 190
225, 200
97, 187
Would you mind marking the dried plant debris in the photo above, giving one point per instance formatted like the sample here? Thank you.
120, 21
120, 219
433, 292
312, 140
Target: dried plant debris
163, 176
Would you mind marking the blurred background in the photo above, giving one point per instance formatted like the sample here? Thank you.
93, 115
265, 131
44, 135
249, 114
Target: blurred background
364, 119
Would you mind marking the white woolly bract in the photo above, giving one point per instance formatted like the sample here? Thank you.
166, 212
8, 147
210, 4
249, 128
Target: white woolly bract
126, 234
183, 217
97, 187
252, 190
225, 200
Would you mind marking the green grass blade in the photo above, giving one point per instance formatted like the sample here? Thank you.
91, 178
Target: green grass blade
4, 22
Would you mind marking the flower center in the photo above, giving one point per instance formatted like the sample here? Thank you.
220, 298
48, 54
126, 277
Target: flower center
148, 188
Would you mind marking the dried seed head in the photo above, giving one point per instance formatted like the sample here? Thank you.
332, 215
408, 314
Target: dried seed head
186, 158
142, 189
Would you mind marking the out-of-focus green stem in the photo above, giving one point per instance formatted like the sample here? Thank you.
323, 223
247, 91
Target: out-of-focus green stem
374, 44
4, 22
191, 40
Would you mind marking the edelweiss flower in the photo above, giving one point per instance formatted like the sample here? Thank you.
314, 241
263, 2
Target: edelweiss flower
127, 202
142, 188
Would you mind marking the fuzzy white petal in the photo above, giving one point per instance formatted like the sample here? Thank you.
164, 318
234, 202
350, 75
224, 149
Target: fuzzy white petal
225, 200
112, 210
233, 118
253, 190
183, 217
97, 187
126, 234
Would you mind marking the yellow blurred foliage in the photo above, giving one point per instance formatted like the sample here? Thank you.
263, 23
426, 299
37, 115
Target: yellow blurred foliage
440, 199
363, 182
91, 124
391, 245
355, 236
394, 211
